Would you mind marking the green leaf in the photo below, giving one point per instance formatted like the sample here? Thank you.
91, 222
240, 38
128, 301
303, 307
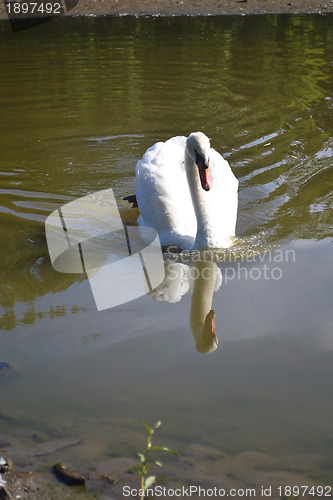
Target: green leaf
150, 431
158, 463
149, 481
142, 457
164, 448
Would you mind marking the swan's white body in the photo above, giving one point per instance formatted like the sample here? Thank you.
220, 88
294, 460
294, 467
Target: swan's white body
172, 200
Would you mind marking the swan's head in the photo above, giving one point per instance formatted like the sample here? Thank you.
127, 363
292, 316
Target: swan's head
198, 147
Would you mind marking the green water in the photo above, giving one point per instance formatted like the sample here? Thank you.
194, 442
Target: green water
81, 100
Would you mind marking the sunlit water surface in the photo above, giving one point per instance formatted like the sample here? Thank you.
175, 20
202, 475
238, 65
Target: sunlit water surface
81, 101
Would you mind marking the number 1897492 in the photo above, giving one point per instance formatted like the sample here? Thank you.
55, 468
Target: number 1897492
301, 491
34, 8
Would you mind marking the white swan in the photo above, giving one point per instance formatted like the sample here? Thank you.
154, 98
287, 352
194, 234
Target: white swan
188, 193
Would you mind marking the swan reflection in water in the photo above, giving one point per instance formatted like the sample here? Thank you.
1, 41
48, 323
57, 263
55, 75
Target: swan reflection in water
201, 279
188, 193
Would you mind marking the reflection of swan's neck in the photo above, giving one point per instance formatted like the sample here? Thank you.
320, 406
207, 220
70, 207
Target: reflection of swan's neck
202, 298
204, 235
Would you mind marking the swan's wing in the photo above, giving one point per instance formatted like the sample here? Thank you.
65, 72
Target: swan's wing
223, 200
163, 194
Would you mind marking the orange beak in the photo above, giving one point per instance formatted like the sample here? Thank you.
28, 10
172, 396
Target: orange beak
205, 179
204, 172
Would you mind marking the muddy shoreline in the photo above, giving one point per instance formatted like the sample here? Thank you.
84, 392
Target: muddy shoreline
199, 7
115, 476
194, 7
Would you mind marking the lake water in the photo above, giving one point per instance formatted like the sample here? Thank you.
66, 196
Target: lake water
82, 99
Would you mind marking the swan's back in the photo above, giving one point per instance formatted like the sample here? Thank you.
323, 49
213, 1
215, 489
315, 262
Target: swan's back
163, 194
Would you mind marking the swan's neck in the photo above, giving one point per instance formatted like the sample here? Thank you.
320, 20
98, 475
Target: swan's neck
205, 235
202, 298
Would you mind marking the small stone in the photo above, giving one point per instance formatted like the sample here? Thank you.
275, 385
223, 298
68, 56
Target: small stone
67, 476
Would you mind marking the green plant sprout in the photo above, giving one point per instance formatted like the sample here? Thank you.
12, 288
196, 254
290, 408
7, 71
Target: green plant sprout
145, 458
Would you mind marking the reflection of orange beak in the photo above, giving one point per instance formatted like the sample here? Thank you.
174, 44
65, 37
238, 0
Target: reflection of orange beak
209, 333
